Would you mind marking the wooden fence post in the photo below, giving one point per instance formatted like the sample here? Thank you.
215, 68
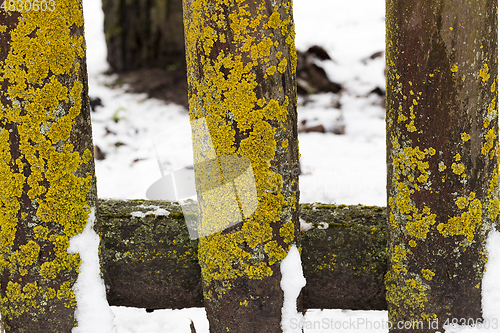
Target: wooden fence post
241, 64
47, 183
442, 149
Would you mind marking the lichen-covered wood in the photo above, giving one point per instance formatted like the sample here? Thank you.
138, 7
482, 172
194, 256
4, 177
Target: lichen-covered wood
241, 66
144, 33
150, 262
442, 151
344, 257
47, 183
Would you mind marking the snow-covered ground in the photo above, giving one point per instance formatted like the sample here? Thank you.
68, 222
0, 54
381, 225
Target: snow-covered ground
343, 169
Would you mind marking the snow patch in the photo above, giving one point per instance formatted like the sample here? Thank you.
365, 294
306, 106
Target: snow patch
135, 320
93, 312
305, 226
322, 225
158, 211
292, 281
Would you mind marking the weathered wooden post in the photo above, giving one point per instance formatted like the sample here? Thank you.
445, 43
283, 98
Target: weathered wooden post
442, 149
241, 62
143, 34
47, 183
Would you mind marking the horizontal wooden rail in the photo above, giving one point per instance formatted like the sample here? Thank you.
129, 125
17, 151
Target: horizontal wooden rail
149, 261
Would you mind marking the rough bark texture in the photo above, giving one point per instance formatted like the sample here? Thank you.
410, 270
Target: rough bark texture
241, 65
345, 263
442, 149
150, 262
47, 183
144, 33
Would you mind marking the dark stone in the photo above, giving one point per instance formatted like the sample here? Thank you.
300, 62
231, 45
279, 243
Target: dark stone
319, 52
317, 128
377, 55
94, 103
311, 78
378, 91
98, 153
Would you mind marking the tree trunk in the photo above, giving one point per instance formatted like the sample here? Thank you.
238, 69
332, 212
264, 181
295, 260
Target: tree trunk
241, 62
46, 160
442, 149
150, 262
144, 34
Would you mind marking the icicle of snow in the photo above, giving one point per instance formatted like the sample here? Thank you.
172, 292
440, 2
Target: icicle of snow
292, 281
490, 290
93, 312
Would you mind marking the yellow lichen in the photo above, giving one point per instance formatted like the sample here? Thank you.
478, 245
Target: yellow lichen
50, 294
274, 21
418, 226
327, 262
397, 258
466, 223
492, 197
66, 295
392, 221
271, 70
287, 231
458, 168
492, 113
483, 73
428, 274
411, 127
282, 65
412, 294
490, 137
462, 202
405, 163
402, 117
284, 144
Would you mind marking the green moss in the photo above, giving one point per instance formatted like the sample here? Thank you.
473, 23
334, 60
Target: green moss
177, 215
